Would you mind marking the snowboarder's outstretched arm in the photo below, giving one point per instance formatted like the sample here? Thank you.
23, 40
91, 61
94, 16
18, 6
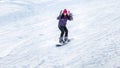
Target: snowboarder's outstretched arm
70, 16
59, 15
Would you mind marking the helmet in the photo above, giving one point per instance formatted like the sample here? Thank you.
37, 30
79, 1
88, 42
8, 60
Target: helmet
65, 11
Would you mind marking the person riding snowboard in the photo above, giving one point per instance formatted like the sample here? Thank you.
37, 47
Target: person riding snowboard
63, 17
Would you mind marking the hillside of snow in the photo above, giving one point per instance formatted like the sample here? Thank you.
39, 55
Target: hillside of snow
29, 32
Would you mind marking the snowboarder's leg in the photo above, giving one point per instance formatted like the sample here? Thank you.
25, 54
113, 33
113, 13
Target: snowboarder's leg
61, 35
66, 33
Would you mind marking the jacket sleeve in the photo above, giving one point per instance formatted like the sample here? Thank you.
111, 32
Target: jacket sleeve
59, 17
60, 14
70, 16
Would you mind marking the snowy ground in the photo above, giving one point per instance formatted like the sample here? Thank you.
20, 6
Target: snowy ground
29, 32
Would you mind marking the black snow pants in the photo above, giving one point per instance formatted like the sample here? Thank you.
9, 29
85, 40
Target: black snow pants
64, 31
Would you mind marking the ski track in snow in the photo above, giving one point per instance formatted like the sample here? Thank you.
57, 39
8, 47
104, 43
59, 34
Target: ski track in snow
29, 32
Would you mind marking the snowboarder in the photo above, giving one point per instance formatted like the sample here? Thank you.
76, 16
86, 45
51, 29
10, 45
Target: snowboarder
63, 17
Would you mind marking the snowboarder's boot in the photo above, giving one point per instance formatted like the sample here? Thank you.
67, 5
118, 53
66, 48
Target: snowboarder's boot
61, 40
66, 39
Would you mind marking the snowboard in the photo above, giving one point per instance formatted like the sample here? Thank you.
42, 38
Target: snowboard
62, 44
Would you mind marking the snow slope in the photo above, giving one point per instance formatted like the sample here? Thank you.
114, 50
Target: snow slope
29, 32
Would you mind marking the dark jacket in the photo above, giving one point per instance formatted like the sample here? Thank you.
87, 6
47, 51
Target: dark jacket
63, 19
